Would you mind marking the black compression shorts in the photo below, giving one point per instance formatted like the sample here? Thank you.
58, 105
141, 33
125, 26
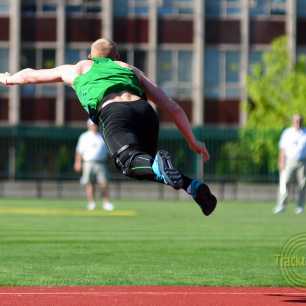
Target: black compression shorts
129, 124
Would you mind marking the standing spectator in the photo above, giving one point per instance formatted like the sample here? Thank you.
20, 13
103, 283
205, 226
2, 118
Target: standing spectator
292, 160
92, 152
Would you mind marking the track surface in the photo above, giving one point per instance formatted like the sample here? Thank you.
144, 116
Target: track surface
150, 296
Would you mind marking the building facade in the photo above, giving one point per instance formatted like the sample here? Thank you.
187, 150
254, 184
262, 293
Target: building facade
198, 51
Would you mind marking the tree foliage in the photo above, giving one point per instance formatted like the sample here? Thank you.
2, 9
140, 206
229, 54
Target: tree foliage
276, 90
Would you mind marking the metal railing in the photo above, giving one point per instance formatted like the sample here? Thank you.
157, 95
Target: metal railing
47, 153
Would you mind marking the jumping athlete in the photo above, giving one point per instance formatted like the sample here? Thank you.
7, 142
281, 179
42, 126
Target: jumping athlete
115, 94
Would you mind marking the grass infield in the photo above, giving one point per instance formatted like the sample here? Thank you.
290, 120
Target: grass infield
51, 242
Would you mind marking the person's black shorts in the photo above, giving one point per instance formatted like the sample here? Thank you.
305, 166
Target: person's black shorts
129, 124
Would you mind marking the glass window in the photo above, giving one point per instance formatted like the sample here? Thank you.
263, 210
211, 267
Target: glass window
213, 8
185, 66
175, 7
131, 7
83, 6
30, 7
4, 6
140, 60
72, 56
123, 55
48, 58
223, 8
232, 70
48, 7
301, 8
222, 73
174, 72
233, 7
254, 58
212, 72
28, 58
4, 59
164, 66
267, 7
38, 58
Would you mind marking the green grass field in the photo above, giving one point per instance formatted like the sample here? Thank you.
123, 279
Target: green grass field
48, 242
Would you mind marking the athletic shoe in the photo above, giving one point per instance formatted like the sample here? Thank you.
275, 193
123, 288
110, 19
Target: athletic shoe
299, 210
278, 210
108, 206
164, 170
91, 206
202, 195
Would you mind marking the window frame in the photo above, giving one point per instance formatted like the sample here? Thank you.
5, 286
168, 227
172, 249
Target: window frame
40, 89
132, 5
4, 93
223, 86
39, 12
177, 5
175, 83
270, 6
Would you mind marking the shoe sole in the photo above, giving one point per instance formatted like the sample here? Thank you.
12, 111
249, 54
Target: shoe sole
206, 200
171, 175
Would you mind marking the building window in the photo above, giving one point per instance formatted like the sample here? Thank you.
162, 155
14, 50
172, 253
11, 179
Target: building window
4, 7
175, 7
301, 8
135, 57
222, 73
4, 59
174, 72
124, 8
83, 7
255, 57
217, 8
267, 7
38, 7
73, 55
38, 58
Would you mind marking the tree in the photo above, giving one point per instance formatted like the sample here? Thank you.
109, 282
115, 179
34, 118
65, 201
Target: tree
276, 90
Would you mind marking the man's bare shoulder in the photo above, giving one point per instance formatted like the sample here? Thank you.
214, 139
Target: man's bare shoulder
83, 66
123, 64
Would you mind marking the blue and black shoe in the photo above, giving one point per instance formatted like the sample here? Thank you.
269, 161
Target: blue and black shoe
200, 192
165, 172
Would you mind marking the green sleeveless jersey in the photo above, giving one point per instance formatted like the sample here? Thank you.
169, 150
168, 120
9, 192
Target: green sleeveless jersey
104, 77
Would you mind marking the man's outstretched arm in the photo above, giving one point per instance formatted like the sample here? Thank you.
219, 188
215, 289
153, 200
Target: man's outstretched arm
156, 95
64, 73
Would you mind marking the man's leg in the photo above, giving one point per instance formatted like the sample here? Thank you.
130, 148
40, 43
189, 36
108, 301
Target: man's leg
87, 183
101, 176
130, 131
301, 179
284, 180
90, 194
134, 163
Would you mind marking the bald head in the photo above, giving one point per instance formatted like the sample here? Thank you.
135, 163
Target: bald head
297, 121
104, 47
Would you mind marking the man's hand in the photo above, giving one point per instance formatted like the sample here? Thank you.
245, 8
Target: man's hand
3, 78
200, 148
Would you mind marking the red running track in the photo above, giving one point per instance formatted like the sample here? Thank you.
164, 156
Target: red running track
150, 296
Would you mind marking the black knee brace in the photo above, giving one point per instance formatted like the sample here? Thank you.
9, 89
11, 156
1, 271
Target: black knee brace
134, 163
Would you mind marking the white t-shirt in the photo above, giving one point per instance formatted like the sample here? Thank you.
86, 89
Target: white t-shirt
293, 142
92, 147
